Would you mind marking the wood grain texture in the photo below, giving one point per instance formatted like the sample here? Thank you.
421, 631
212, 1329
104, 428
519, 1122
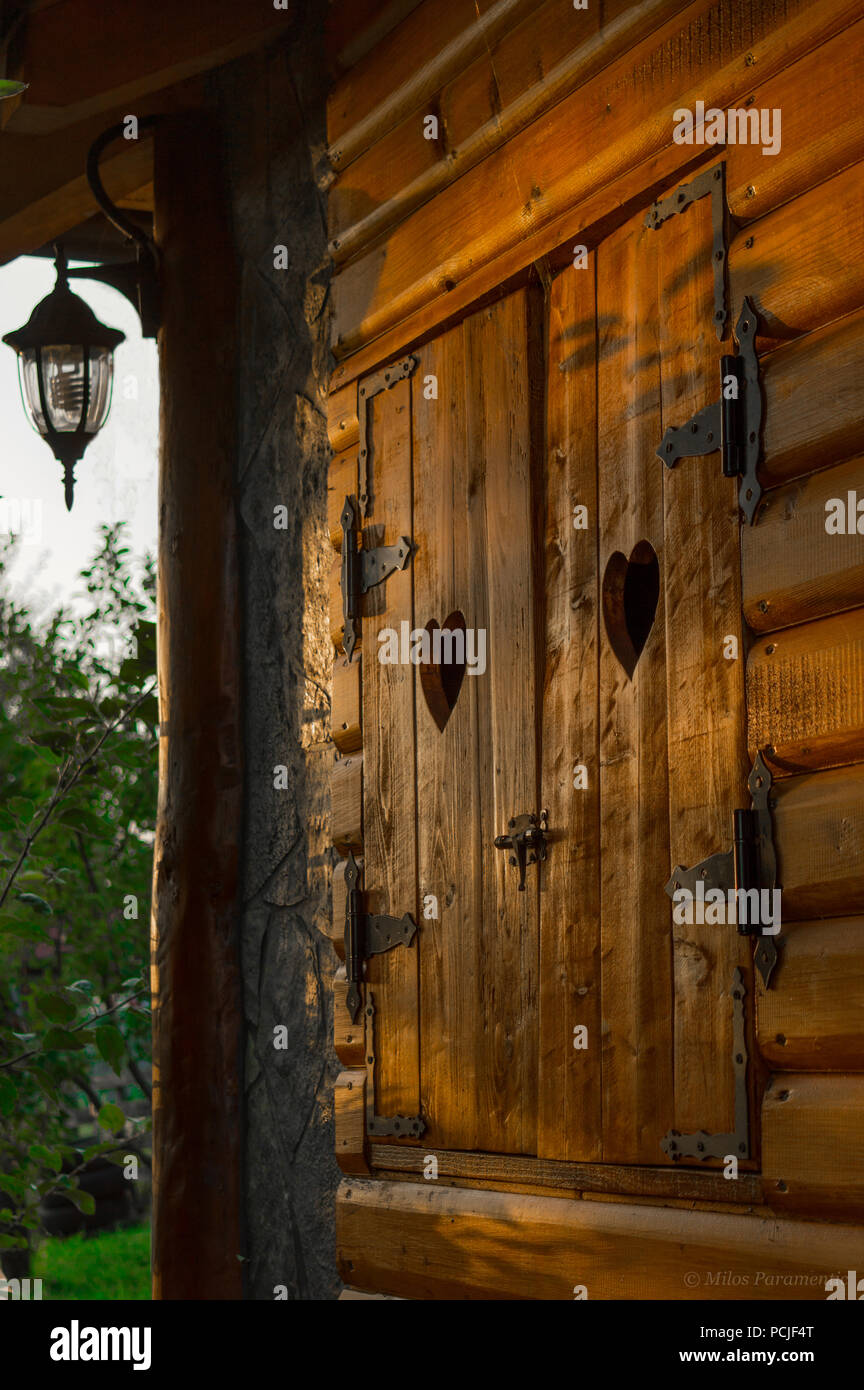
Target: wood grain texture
346, 803
812, 1019
569, 1115
335, 925
515, 1172
705, 690
342, 421
348, 1037
345, 705
341, 483
812, 151
349, 1109
625, 114
793, 569
390, 808
447, 1243
819, 837
803, 265
337, 620
814, 401
805, 694
473, 509
813, 1136
354, 27
636, 946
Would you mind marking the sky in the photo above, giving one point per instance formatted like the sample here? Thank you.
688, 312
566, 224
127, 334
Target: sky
116, 478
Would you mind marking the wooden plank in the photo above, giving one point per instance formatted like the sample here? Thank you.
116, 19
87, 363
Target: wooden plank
812, 1018
569, 1113
449, 1243
354, 27
472, 517
524, 185
410, 66
336, 618
705, 690
814, 401
812, 151
348, 1040
803, 265
342, 423
345, 707
390, 805
819, 837
516, 1171
805, 694
346, 804
128, 55
335, 925
349, 1110
637, 985
341, 483
793, 569
813, 1137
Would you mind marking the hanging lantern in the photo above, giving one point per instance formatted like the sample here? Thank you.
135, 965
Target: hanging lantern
66, 370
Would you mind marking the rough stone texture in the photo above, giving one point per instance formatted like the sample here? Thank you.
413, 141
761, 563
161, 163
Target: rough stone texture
272, 113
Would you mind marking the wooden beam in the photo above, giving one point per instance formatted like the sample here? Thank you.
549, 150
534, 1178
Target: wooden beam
810, 1020
197, 1130
812, 1138
83, 57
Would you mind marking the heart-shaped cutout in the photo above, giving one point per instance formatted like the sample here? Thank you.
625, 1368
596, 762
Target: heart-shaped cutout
631, 589
442, 676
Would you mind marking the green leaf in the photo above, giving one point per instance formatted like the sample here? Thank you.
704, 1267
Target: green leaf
56, 1007
82, 819
111, 1045
38, 904
84, 1201
22, 808
111, 1117
13, 1242
8, 1096
11, 89
60, 1039
49, 1157
9, 1183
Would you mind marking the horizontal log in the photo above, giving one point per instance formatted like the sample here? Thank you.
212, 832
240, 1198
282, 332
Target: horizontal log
803, 265
341, 483
348, 1041
525, 185
793, 569
349, 1107
519, 1170
354, 27
814, 401
812, 1142
411, 66
345, 710
428, 1242
336, 923
805, 694
812, 1019
483, 107
342, 428
812, 151
346, 804
819, 837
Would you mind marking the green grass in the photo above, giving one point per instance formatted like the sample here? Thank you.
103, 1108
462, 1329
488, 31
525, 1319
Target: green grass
112, 1264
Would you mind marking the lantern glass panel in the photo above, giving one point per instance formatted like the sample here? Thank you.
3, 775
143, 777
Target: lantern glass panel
63, 379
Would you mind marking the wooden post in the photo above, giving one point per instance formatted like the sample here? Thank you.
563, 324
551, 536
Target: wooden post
195, 950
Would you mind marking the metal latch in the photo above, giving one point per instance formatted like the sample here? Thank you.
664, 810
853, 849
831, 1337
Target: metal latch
527, 840
750, 864
362, 570
367, 935
733, 424
710, 182
703, 1145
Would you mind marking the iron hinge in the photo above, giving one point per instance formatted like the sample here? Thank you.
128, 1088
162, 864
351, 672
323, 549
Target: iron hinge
382, 1126
363, 569
372, 385
750, 864
367, 934
710, 182
703, 1145
733, 424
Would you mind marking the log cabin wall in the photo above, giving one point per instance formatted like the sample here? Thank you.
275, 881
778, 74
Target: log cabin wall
475, 146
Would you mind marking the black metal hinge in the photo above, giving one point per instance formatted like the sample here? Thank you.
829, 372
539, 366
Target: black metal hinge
397, 1126
363, 569
372, 385
710, 182
702, 1144
367, 935
733, 424
750, 864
